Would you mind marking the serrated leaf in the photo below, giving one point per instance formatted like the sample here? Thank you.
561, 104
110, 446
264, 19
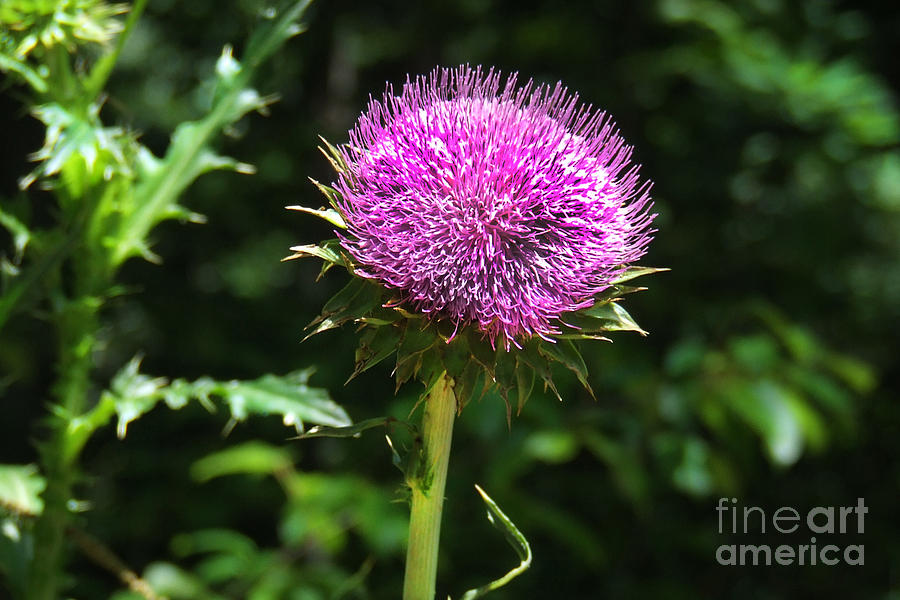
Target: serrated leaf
515, 538
416, 339
287, 396
133, 394
431, 369
77, 145
406, 368
34, 79
505, 371
20, 489
415, 343
635, 272
343, 298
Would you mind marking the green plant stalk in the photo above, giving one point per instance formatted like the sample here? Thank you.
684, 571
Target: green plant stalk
156, 195
427, 486
77, 320
94, 272
78, 325
99, 75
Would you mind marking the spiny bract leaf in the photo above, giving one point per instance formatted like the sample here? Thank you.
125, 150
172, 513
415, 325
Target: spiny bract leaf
375, 345
565, 353
352, 302
330, 215
333, 155
634, 272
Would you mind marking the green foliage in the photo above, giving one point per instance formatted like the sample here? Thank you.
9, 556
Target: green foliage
515, 539
32, 30
321, 514
782, 384
20, 490
839, 93
110, 192
20, 499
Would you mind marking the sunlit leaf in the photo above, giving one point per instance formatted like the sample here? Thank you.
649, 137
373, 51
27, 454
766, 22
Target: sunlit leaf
635, 272
20, 489
133, 394
287, 396
20, 233
330, 215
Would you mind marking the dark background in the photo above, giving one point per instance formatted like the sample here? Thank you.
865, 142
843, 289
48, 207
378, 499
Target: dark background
770, 131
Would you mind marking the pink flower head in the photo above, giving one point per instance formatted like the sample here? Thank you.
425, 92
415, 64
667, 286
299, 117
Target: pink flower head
490, 204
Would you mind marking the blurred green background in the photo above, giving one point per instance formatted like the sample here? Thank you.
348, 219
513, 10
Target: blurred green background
770, 129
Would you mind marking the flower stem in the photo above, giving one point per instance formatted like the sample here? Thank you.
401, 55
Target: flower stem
427, 486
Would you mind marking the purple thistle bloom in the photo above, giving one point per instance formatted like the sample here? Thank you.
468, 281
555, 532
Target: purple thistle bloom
500, 207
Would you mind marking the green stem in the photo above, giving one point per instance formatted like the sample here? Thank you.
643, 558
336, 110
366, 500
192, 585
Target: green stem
428, 492
96, 81
78, 328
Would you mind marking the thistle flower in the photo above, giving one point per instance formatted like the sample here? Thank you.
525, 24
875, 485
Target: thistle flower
483, 215
491, 205
477, 215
